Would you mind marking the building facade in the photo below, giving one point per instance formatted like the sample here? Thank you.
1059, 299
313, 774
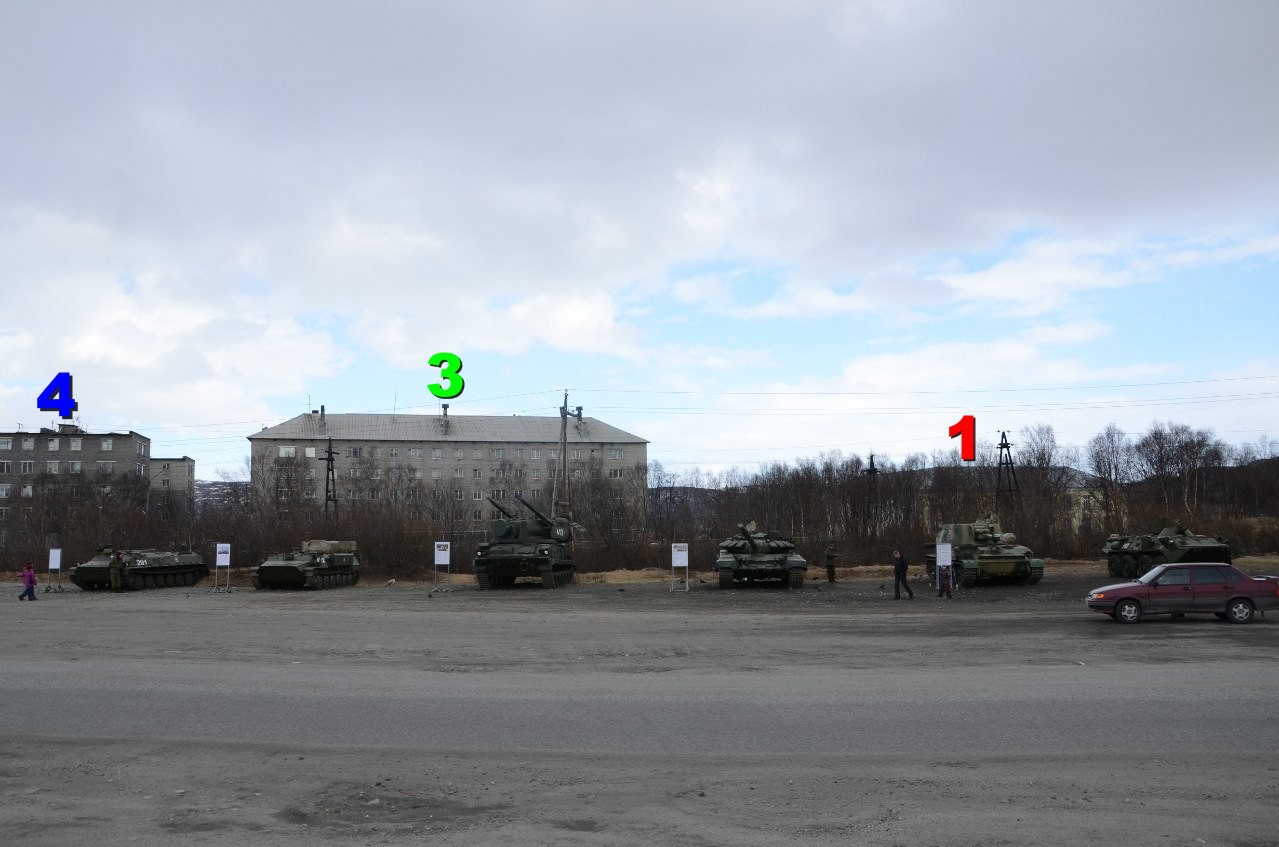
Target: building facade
445, 465
172, 484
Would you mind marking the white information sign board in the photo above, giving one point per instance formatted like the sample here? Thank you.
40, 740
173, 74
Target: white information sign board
222, 559
679, 559
442, 550
55, 559
944, 570
224, 556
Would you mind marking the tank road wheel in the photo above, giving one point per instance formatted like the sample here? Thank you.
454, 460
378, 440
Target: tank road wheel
725, 577
1130, 565
1144, 564
482, 581
1114, 565
1157, 560
135, 583
967, 577
1239, 610
796, 580
1128, 611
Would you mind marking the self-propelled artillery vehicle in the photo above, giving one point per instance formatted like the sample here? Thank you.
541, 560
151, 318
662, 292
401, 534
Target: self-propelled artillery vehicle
978, 550
142, 569
319, 564
536, 548
752, 555
1133, 555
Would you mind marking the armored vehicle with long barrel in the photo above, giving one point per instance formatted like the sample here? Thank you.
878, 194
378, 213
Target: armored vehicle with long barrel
751, 555
536, 548
318, 564
142, 569
980, 551
1133, 555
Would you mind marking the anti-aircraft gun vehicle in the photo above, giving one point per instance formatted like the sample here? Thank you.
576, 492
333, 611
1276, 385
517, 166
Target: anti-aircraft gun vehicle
142, 569
1132, 555
537, 548
978, 550
318, 564
751, 555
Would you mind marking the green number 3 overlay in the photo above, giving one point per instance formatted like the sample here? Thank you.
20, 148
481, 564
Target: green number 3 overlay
451, 370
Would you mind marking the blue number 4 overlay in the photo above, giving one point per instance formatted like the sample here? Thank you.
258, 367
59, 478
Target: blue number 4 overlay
58, 397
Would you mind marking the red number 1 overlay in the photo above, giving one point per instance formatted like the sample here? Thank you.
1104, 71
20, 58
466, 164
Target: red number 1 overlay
967, 428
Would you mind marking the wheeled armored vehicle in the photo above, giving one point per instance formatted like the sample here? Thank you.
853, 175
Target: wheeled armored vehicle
979, 550
752, 555
318, 564
536, 548
1134, 555
142, 569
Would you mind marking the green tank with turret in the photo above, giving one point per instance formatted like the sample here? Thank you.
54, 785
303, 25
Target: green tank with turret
751, 556
318, 564
141, 569
1132, 555
524, 548
979, 550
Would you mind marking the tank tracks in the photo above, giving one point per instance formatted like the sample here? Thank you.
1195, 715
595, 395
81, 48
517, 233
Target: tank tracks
317, 582
144, 582
795, 579
550, 579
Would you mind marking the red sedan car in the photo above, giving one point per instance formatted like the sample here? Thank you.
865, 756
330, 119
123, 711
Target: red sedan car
1217, 589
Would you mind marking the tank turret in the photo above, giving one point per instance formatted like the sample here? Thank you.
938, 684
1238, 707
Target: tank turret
534, 548
980, 550
752, 555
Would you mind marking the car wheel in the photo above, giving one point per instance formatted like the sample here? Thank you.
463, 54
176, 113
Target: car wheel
1128, 611
1239, 611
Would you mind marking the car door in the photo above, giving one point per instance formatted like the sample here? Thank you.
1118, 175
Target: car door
1212, 588
1172, 592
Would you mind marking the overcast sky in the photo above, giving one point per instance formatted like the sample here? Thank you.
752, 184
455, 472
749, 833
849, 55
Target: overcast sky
743, 231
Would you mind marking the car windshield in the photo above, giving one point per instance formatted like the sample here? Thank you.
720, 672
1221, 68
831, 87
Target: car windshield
1152, 575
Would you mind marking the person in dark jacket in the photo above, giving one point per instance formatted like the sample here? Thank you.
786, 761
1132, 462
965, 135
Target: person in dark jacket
899, 576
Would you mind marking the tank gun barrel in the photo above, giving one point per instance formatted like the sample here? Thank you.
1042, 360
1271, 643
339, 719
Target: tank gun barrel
746, 533
500, 508
541, 517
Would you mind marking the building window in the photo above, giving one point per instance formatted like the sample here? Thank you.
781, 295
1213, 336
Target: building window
164, 483
108, 444
375, 452
555, 454
615, 453
376, 474
499, 454
75, 445
142, 448
534, 454
106, 491
27, 467
499, 493
28, 444
535, 473
51, 467
476, 473
374, 494
436, 473
73, 467
437, 453
285, 453
477, 515
6, 467
142, 470
26, 491
535, 494
309, 494
477, 495
53, 444
393, 452
577, 454
417, 473
458, 473
354, 452
577, 473
4, 489
415, 452
310, 452
6, 443
106, 467
477, 454
355, 473
4, 512
614, 473
457, 494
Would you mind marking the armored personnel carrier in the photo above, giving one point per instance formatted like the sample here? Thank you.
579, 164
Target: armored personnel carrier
752, 555
142, 569
319, 564
536, 548
1133, 555
978, 550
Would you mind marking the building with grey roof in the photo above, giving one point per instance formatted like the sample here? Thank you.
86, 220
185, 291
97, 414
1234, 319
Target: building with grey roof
449, 463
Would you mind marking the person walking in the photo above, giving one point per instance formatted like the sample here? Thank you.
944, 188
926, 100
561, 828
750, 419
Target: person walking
29, 582
899, 576
831, 555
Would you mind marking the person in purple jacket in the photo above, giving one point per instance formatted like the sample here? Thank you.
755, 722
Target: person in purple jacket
29, 582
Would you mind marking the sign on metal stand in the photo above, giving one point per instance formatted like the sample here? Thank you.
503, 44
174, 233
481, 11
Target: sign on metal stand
679, 560
55, 567
442, 558
222, 562
944, 570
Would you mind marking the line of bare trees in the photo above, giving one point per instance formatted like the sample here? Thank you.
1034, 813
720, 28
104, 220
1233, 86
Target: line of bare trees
1070, 500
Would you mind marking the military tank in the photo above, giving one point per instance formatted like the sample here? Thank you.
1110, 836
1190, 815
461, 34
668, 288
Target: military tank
979, 550
536, 548
751, 555
143, 569
318, 564
1133, 555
